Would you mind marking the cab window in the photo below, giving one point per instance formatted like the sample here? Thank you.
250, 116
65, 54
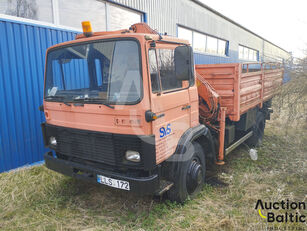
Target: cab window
162, 71
154, 73
167, 70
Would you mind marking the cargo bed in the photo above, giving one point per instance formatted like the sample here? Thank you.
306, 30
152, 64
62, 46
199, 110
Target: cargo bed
242, 86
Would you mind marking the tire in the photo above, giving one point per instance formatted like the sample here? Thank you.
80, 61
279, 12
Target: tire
258, 130
188, 175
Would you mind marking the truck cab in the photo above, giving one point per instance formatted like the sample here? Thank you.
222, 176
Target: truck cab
116, 105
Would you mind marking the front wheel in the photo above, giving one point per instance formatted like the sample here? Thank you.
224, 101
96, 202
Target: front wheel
189, 174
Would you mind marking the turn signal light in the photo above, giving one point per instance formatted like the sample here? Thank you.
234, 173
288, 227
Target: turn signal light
87, 28
150, 116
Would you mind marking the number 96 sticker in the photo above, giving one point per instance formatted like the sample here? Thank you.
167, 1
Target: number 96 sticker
165, 130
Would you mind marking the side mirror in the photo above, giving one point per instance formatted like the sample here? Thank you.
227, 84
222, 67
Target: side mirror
184, 62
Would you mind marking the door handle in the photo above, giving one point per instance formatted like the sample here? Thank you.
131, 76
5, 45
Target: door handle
186, 107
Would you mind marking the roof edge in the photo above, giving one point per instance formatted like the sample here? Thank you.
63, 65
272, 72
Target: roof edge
235, 23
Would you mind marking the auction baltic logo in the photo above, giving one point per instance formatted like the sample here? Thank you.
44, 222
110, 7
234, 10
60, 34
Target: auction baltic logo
286, 216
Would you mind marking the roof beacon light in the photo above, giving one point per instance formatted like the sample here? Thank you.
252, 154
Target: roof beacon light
87, 28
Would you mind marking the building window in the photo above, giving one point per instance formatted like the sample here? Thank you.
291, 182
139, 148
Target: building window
199, 42
203, 43
211, 45
241, 52
72, 14
40, 10
102, 14
121, 18
221, 48
248, 53
185, 34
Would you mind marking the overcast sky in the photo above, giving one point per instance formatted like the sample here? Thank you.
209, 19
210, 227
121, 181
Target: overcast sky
283, 22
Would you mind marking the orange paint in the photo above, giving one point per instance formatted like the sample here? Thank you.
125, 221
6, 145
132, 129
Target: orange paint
236, 92
222, 136
240, 91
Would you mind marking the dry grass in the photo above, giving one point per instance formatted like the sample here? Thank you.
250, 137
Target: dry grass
39, 199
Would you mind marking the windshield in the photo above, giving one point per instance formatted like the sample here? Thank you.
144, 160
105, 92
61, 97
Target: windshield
105, 71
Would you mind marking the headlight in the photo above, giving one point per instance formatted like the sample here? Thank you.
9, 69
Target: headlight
52, 141
133, 156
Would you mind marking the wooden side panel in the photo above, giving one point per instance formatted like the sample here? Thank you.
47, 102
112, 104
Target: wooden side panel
250, 90
239, 91
272, 82
224, 79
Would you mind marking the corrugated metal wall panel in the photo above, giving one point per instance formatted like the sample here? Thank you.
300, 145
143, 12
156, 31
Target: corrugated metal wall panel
165, 15
22, 59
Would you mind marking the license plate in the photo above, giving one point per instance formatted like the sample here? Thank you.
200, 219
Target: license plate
113, 182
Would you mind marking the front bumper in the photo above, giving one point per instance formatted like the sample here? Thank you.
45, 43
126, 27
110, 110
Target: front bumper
102, 147
141, 185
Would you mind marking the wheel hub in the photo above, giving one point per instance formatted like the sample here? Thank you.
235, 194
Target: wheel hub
194, 176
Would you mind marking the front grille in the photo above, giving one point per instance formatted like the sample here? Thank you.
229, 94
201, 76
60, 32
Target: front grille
98, 148
106, 148
101, 148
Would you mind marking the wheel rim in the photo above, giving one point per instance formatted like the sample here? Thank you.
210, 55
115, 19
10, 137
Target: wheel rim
194, 176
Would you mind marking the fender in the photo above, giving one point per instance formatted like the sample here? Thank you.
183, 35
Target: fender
201, 134
171, 167
189, 136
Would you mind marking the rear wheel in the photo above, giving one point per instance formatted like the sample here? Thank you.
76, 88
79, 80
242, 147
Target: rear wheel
189, 174
258, 130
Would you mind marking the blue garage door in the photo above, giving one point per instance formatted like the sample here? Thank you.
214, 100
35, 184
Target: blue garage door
22, 60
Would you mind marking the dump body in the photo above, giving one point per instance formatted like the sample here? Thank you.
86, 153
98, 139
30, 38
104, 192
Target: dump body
239, 87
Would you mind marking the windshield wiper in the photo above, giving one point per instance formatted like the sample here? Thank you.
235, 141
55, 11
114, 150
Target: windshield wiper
58, 97
55, 97
91, 100
98, 101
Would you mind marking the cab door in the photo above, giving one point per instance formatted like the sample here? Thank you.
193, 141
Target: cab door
170, 101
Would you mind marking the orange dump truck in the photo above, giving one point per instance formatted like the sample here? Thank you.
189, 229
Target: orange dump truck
128, 109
